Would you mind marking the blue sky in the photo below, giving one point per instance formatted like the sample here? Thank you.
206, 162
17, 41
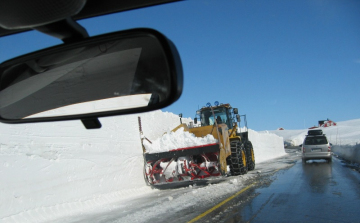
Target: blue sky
282, 63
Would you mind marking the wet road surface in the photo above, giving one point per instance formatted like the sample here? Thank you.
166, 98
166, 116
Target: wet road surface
279, 190
317, 191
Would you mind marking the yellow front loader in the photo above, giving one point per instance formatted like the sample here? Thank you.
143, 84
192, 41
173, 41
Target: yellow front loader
232, 150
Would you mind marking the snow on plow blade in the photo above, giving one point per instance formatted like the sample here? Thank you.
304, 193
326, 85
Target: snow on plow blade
183, 164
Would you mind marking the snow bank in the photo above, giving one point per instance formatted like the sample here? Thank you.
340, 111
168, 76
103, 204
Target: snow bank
344, 133
291, 137
51, 170
266, 145
176, 140
345, 137
348, 152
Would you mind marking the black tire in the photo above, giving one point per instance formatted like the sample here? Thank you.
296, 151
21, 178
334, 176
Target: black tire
304, 160
330, 160
250, 156
237, 159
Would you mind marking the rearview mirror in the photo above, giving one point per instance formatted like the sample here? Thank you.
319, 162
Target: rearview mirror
119, 73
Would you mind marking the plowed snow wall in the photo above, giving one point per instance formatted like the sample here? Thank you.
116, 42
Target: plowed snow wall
348, 152
49, 170
266, 145
60, 167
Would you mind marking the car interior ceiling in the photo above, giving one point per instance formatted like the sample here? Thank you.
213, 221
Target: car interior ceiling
91, 8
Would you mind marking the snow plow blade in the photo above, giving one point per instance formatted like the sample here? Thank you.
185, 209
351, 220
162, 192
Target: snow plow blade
182, 166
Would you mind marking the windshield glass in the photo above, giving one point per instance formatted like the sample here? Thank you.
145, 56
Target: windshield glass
284, 64
221, 116
317, 140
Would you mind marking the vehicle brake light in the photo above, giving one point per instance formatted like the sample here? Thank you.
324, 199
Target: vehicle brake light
303, 149
329, 148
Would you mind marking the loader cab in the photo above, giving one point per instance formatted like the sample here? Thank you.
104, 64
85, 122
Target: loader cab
222, 116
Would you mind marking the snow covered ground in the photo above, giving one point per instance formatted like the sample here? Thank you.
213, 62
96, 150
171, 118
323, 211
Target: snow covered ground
266, 145
52, 170
344, 133
345, 137
176, 140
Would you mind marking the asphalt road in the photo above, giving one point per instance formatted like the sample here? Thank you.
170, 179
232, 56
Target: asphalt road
279, 190
313, 192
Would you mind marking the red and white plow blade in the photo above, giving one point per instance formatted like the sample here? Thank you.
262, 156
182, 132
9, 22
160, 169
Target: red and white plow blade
184, 164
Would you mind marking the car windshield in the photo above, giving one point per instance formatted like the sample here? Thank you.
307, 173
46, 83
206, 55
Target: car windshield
284, 64
317, 140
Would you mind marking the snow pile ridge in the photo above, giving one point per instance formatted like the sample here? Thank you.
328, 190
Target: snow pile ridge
69, 170
344, 133
266, 145
176, 140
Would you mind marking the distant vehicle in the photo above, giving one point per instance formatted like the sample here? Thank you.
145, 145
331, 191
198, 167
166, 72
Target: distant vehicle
316, 146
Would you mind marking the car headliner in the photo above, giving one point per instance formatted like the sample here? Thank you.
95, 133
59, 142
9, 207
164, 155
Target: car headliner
94, 8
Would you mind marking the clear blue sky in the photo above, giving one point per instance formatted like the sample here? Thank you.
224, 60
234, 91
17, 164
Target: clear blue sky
282, 63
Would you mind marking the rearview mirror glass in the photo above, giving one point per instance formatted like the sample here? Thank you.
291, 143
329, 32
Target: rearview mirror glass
120, 73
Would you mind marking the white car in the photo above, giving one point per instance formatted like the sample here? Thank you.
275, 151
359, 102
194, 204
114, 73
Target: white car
316, 146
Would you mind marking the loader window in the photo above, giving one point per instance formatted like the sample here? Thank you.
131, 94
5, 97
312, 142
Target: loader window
222, 114
207, 117
231, 120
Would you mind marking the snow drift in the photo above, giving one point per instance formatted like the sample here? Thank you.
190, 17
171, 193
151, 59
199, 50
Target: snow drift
344, 133
345, 137
348, 152
175, 140
50, 170
266, 145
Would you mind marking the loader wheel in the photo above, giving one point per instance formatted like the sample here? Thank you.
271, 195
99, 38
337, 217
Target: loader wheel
250, 158
237, 159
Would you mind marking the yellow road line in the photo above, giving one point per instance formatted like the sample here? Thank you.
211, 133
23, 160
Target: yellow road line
220, 204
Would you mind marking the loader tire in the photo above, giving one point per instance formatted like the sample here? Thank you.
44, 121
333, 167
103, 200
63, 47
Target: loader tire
237, 159
250, 158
